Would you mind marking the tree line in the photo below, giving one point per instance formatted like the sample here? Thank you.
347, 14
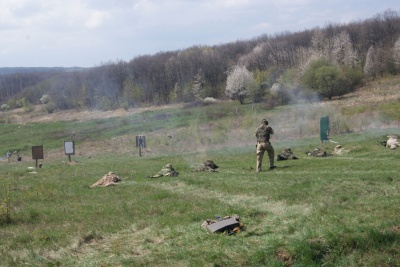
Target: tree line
323, 62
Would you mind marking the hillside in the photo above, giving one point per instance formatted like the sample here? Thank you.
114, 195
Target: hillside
366, 98
331, 61
39, 114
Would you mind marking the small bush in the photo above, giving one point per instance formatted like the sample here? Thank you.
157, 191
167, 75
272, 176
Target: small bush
27, 106
124, 105
50, 107
210, 100
5, 107
45, 99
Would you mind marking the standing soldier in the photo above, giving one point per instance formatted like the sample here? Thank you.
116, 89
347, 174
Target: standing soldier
263, 134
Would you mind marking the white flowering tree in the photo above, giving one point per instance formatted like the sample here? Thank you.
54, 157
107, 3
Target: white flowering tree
371, 62
45, 99
239, 84
396, 54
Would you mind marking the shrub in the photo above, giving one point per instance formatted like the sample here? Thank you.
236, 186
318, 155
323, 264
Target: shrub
4, 107
12, 103
329, 80
210, 100
44, 99
28, 107
50, 107
280, 94
125, 105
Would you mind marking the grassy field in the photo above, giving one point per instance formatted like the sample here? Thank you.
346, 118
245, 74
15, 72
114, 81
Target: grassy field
341, 210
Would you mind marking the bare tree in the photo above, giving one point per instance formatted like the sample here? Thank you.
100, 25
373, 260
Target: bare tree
198, 85
140, 70
214, 67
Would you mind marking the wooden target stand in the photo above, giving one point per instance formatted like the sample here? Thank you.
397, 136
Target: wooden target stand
37, 153
69, 149
140, 143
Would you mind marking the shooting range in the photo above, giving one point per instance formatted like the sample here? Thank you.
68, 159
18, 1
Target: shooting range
37, 153
69, 149
324, 128
140, 143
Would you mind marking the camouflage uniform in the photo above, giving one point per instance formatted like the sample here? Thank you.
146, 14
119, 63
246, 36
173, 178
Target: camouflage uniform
286, 154
317, 153
107, 180
167, 170
208, 166
263, 133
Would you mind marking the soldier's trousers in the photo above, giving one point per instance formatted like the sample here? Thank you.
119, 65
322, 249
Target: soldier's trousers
261, 148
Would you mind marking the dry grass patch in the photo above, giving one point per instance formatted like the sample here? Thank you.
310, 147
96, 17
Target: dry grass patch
242, 201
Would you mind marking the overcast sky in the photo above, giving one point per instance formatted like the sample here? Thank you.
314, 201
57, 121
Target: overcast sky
85, 33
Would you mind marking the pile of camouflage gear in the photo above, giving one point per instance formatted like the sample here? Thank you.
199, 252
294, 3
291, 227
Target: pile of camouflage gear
109, 179
167, 170
207, 166
339, 150
317, 153
392, 142
286, 154
228, 224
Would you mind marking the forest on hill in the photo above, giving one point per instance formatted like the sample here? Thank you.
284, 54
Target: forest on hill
309, 65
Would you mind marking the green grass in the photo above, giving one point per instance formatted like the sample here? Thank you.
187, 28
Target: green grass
333, 211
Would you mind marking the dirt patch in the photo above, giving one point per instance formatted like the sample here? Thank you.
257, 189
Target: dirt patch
284, 256
395, 228
40, 115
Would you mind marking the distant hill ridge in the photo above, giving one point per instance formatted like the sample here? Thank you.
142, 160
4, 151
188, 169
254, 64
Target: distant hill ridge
12, 70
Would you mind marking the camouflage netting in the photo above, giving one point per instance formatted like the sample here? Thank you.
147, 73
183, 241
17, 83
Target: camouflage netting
110, 179
318, 153
167, 170
286, 154
207, 166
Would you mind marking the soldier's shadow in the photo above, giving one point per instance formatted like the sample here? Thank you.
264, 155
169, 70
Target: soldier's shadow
254, 233
284, 167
